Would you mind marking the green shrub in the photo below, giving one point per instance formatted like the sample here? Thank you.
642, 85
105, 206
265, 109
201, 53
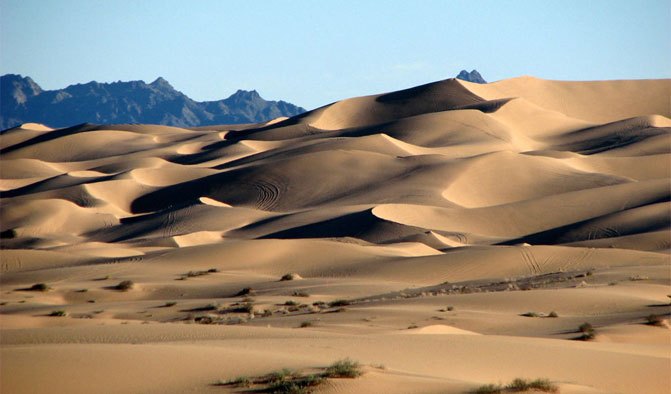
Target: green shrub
240, 381
544, 385
518, 385
280, 376
344, 369
488, 389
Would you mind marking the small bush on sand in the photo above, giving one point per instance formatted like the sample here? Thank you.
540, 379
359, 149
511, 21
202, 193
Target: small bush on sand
306, 324
169, 304
245, 307
553, 314
339, 303
290, 276
488, 389
39, 287
300, 293
124, 285
530, 314
587, 331
245, 291
287, 381
654, 320
279, 376
519, 385
240, 381
345, 368
299, 385
58, 313
543, 385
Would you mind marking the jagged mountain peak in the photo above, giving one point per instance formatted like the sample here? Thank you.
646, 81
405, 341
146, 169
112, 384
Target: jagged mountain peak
473, 76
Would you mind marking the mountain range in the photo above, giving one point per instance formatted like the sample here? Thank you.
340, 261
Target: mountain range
23, 100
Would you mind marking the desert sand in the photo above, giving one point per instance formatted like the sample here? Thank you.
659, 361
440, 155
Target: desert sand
421, 226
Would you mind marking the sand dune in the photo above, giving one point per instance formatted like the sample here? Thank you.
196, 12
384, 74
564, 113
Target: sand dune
445, 212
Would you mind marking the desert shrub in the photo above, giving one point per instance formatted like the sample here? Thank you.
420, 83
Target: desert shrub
449, 308
345, 368
82, 290
530, 314
488, 389
124, 285
290, 276
537, 384
290, 303
300, 385
518, 385
587, 331
306, 324
300, 293
213, 270
654, 320
246, 307
58, 313
245, 291
39, 287
240, 381
279, 376
553, 314
169, 304
339, 303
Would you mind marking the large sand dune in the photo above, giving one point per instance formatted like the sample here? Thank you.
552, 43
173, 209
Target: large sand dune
522, 195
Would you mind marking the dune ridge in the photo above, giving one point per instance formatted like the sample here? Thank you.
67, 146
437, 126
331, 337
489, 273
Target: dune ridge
522, 195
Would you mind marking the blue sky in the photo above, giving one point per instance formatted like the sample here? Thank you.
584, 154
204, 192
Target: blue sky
315, 52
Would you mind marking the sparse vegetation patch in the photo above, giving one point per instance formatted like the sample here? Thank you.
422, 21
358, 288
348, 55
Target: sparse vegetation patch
287, 381
519, 385
124, 285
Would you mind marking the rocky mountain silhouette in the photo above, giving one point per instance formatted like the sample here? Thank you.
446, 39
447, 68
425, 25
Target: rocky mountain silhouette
22, 100
473, 76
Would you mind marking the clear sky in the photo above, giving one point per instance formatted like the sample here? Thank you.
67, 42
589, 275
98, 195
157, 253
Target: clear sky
314, 52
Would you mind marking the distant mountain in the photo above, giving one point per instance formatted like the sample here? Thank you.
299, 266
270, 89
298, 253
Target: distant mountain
473, 76
22, 100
